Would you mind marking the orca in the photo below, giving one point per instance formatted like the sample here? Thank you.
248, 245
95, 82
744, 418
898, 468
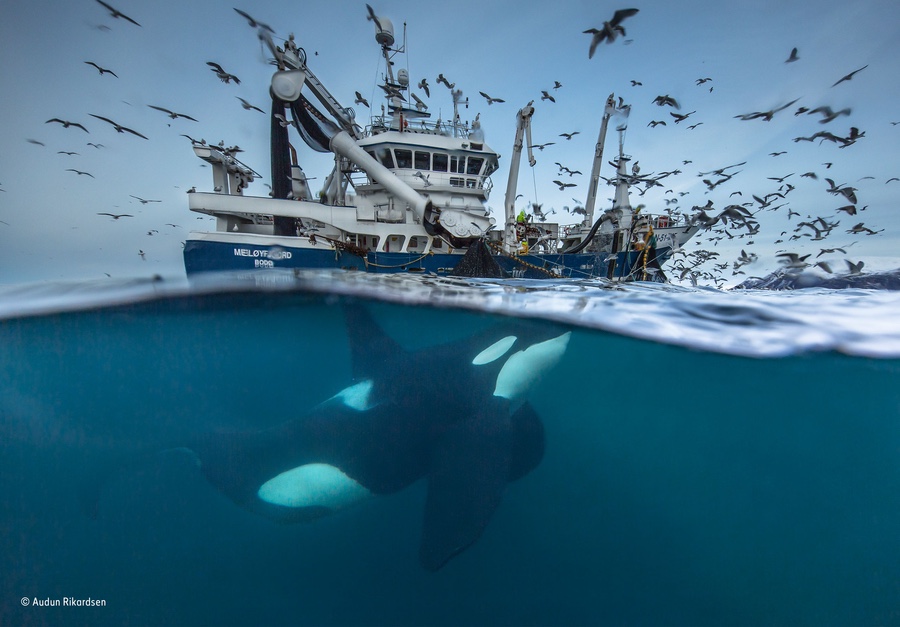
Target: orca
455, 414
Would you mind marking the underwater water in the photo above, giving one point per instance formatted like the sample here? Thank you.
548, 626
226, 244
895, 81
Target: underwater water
710, 458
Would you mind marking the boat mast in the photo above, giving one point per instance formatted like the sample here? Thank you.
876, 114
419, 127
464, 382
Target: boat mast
591, 201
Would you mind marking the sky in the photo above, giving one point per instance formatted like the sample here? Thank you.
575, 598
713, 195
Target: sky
512, 50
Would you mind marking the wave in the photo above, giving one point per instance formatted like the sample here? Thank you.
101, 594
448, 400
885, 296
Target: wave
746, 322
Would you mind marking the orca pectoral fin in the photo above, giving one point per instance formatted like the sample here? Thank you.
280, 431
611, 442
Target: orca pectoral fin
469, 471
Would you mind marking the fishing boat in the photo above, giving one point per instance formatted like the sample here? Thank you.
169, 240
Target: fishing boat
408, 194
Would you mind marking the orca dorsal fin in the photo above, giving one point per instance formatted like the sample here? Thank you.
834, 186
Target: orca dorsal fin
371, 348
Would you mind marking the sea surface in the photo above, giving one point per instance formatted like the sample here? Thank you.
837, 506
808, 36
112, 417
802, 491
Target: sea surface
711, 457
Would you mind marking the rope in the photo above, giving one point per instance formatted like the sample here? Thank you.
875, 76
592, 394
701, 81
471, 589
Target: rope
518, 260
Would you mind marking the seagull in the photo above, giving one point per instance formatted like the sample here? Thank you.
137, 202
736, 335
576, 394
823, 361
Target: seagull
681, 117
850, 75
80, 172
143, 201
373, 18
700, 81
556, 84
119, 128
655, 123
224, 76
361, 100
423, 85
569, 135
95, 145
793, 57
67, 124
248, 106
172, 114
546, 96
609, 31
766, 115
635, 83
66, 152
828, 114
541, 146
254, 23
491, 100
35, 142
846, 192
102, 70
282, 120
116, 216
442, 79
116, 13
563, 186
666, 100
424, 178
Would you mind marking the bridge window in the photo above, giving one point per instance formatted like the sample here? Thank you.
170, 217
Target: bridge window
404, 158
423, 160
386, 157
439, 162
458, 164
474, 166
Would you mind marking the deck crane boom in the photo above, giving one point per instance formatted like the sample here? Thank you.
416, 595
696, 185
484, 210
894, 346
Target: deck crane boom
523, 130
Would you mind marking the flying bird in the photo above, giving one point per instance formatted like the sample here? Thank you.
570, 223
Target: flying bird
67, 124
828, 114
546, 96
254, 23
80, 172
569, 135
373, 18
116, 216
423, 85
666, 100
172, 114
249, 106
793, 56
224, 76
361, 100
766, 115
119, 128
102, 70
66, 152
144, 201
116, 13
442, 79
850, 75
609, 31
491, 100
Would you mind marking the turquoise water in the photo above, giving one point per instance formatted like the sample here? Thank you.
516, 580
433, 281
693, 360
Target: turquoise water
738, 463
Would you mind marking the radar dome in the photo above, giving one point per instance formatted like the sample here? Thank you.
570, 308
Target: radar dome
403, 77
384, 32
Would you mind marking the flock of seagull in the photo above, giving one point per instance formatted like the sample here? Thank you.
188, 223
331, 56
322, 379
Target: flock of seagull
738, 220
216, 68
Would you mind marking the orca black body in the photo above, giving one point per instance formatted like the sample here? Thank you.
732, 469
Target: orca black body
454, 414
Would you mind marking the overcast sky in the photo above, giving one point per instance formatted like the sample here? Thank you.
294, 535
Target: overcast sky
509, 49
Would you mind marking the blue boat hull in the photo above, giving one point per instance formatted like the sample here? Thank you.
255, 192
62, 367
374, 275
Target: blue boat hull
212, 256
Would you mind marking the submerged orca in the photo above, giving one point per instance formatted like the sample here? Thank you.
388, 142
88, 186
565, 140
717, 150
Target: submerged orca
455, 414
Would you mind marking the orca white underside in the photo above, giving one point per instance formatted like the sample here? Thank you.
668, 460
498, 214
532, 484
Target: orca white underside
313, 485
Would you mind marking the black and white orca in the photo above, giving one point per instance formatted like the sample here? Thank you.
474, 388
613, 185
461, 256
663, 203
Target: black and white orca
455, 414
